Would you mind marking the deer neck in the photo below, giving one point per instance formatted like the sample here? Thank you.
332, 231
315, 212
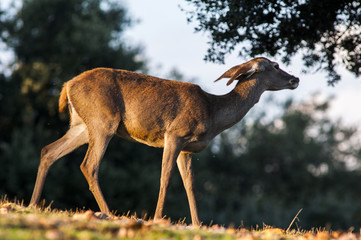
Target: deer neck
232, 107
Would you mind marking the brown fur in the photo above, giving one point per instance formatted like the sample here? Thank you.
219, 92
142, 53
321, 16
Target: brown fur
179, 117
63, 99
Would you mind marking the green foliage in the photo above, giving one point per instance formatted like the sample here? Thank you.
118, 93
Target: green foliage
52, 41
130, 176
19, 160
319, 30
70, 36
265, 171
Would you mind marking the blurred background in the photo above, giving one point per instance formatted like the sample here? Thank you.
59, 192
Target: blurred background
295, 150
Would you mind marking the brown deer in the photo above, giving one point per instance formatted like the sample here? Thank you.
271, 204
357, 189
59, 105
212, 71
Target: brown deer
179, 117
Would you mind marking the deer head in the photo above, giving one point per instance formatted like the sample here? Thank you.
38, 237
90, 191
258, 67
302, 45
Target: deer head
266, 71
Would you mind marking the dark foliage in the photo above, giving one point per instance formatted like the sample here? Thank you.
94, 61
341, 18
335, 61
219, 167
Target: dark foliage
266, 171
320, 30
52, 41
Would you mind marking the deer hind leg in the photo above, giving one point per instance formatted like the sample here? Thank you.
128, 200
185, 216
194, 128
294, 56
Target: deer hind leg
75, 137
172, 147
99, 137
184, 163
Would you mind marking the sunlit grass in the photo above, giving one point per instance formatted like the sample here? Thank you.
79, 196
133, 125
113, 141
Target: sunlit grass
20, 222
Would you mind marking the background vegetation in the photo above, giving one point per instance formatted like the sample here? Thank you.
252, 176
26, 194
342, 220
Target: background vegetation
326, 33
264, 170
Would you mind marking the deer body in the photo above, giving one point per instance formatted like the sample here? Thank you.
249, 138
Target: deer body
179, 117
133, 109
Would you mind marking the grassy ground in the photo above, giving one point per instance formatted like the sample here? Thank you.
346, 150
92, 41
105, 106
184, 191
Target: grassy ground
19, 222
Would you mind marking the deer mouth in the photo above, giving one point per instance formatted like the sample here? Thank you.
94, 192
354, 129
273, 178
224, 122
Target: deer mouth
294, 82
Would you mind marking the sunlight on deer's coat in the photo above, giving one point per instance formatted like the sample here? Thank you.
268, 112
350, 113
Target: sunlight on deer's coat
179, 117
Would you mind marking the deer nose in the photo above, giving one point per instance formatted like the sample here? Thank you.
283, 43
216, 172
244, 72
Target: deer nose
294, 81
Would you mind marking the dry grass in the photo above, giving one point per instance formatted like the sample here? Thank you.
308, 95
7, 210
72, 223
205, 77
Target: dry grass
20, 222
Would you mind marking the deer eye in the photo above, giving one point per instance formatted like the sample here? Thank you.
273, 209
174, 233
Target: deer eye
276, 66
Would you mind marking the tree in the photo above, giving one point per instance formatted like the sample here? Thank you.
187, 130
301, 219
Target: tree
326, 33
265, 171
52, 41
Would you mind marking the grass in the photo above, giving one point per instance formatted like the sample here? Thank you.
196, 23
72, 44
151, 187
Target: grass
20, 222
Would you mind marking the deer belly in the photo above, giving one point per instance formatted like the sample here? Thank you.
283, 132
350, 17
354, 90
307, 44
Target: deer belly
151, 137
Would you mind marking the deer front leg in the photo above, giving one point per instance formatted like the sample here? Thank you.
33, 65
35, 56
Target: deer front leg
184, 163
172, 147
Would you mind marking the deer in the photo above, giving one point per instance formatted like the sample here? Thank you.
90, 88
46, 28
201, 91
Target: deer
177, 116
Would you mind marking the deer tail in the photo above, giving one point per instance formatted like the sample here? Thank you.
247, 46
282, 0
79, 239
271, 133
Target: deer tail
63, 99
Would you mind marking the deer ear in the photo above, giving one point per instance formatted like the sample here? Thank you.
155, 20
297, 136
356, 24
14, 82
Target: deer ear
239, 72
